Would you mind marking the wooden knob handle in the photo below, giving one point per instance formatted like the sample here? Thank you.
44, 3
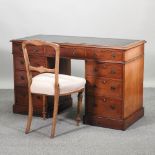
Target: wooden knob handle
113, 71
35, 50
113, 88
94, 55
113, 107
113, 55
38, 97
22, 78
74, 52
95, 70
104, 99
104, 81
104, 66
22, 62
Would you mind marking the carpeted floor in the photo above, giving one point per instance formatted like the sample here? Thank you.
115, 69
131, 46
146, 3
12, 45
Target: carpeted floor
139, 139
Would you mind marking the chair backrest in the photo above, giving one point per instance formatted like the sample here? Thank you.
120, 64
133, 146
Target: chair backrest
41, 69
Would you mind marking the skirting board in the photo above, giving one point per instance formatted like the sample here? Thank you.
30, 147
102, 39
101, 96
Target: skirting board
8, 84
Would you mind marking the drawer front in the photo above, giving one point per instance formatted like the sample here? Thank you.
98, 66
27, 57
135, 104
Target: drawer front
35, 50
36, 62
32, 50
19, 62
21, 97
104, 54
104, 69
37, 101
49, 51
72, 52
39, 61
21, 78
17, 48
104, 87
105, 107
109, 70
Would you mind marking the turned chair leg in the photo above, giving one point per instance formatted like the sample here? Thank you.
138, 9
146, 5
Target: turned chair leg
55, 112
44, 107
30, 113
79, 107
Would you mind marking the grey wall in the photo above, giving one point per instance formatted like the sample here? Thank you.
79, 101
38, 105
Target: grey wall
133, 19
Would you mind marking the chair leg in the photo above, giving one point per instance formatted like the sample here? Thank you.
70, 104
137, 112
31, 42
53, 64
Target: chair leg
44, 107
79, 107
30, 113
55, 112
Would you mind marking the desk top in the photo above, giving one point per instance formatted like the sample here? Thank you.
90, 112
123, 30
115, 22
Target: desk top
86, 41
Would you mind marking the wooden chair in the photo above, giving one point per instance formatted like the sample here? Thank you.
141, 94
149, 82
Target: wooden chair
50, 82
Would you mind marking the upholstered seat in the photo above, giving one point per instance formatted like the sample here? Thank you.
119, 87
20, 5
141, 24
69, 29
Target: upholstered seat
44, 84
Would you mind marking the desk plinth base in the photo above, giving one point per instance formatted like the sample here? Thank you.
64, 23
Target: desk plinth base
118, 124
23, 109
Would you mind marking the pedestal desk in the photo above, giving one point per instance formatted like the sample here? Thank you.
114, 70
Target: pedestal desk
113, 70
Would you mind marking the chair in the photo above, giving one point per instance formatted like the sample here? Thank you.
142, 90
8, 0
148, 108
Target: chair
50, 82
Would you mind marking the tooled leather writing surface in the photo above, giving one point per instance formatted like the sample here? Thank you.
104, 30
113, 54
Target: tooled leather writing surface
83, 40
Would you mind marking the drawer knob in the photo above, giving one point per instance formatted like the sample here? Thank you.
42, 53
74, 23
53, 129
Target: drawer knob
104, 66
35, 50
113, 107
113, 55
38, 97
95, 55
74, 52
113, 88
22, 62
104, 99
103, 81
22, 78
113, 71
95, 70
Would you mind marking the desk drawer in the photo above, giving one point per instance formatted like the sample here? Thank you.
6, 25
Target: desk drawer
37, 101
49, 51
19, 62
109, 70
32, 50
104, 54
72, 52
21, 97
36, 62
35, 50
21, 78
104, 87
105, 107
104, 69
17, 49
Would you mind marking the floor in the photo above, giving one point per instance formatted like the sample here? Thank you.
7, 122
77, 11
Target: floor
139, 139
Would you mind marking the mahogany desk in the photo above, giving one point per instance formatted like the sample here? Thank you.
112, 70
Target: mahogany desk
113, 70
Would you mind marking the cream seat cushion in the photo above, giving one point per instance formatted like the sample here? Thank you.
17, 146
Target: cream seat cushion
44, 84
